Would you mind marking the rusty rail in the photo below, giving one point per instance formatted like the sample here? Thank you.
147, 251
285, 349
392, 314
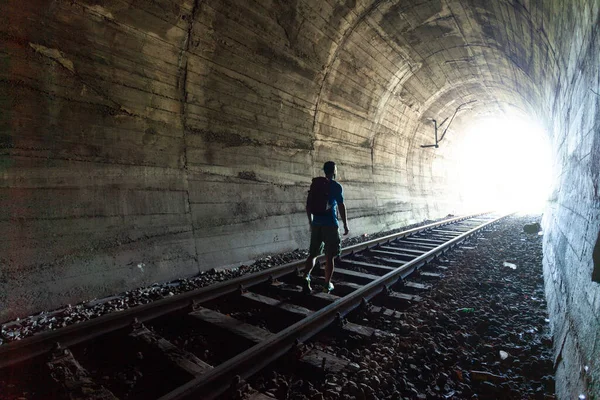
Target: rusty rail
43, 343
215, 382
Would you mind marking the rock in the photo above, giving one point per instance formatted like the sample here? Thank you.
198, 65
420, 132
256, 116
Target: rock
488, 387
484, 376
332, 386
354, 367
532, 228
352, 388
442, 379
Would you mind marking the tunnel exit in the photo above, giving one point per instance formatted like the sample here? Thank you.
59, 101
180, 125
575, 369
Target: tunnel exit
506, 164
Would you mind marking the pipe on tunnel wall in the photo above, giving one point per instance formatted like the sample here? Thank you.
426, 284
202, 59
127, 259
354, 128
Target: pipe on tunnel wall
141, 142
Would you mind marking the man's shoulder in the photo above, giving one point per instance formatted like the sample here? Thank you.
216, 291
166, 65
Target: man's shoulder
336, 186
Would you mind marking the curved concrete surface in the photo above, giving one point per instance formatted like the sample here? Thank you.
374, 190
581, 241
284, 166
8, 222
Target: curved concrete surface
143, 141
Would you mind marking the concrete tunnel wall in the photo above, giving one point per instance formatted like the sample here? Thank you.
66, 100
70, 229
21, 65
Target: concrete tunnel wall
141, 142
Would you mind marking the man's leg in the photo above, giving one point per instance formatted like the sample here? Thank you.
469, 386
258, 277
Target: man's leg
332, 250
315, 249
309, 265
329, 268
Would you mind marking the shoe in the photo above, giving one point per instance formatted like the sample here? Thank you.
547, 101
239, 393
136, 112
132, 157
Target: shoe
306, 280
329, 288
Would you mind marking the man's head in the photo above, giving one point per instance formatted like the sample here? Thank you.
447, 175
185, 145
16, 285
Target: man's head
330, 169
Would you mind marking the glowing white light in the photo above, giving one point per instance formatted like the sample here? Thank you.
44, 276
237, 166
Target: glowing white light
505, 165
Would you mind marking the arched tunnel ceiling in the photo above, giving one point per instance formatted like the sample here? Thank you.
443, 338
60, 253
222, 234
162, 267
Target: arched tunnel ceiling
419, 61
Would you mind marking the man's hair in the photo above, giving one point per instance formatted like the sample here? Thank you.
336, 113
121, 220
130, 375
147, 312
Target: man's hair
329, 167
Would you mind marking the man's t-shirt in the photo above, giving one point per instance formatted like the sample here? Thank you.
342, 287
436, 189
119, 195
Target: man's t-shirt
336, 196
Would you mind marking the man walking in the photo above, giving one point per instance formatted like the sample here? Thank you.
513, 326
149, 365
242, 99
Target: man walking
324, 198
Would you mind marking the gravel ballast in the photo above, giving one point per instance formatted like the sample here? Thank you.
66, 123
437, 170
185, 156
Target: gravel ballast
481, 332
21, 328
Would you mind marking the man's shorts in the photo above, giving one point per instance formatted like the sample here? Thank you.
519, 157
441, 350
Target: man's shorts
325, 237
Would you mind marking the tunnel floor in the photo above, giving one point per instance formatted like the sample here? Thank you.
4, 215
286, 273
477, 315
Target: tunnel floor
70, 314
480, 332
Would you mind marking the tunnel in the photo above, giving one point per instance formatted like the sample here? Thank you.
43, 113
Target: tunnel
145, 141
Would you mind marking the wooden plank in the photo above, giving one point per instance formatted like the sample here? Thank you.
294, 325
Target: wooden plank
237, 327
461, 229
431, 275
428, 240
441, 232
182, 359
303, 312
416, 286
326, 296
449, 232
75, 379
418, 244
347, 287
319, 359
391, 261
286, 288
353, 275
313, 300
361, 330
288, 307
404, 296
444, 238
350, 285
399, 252
392, 253
402, 249
298, 291
390, 313
259, 396
361, 264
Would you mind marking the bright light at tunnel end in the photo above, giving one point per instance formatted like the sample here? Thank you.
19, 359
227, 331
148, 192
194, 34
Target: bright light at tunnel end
505, 165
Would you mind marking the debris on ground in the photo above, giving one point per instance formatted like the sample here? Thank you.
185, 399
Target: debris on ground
532, 228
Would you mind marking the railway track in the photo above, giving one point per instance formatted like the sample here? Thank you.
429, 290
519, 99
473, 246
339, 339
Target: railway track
234, 344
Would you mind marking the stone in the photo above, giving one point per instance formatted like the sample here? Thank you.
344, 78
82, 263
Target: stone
532, 228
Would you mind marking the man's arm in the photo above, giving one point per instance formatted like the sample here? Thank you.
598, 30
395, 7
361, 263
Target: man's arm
308, 213
342, 208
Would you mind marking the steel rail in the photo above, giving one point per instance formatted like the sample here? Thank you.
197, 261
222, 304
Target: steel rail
218, 380
43, 343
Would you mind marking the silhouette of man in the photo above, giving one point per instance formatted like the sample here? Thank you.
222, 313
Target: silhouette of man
324, 229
